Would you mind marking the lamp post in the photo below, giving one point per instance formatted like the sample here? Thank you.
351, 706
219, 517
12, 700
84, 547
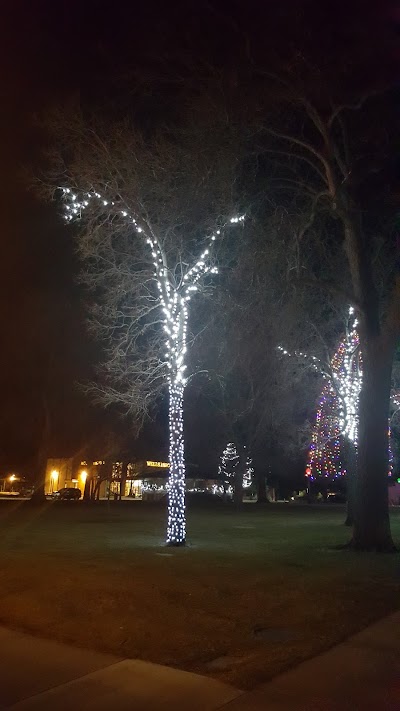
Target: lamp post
83, 477
54, 481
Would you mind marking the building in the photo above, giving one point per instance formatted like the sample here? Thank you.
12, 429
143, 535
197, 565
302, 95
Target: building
107, 479
62, 473
144, 480
13, 484
140, 480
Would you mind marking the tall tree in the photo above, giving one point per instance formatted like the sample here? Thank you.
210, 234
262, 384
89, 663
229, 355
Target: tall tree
333, 448
149, 209
348, 248
257, 398
230, 472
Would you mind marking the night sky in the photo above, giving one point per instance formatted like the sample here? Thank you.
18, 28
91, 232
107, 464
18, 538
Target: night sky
137, 59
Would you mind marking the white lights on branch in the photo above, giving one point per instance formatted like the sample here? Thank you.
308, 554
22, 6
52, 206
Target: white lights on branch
173, 301
338, 408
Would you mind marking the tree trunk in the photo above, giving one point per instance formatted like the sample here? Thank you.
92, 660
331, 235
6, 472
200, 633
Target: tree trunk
93, 488
38, 495
122, 483
226, 496
239, 474
350, 462
261, 489
371, 529
176, 526
96, 490
371, 511
271, 494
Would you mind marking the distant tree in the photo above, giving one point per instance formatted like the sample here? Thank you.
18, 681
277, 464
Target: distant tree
259, 400
106, 447
233, 479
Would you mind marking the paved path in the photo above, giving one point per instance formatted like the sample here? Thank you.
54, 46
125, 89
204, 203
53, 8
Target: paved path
40, 675
362, 674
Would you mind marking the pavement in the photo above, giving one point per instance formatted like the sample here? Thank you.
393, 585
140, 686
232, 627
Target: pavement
362, 674
41, 674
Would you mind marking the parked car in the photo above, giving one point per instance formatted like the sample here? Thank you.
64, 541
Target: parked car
335, 498
68, 494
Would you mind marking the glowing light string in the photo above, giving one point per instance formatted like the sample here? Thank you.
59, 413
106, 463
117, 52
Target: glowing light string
338, 407
337, 413
227, 471
173, 301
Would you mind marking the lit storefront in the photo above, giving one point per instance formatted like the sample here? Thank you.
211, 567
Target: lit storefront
145, 480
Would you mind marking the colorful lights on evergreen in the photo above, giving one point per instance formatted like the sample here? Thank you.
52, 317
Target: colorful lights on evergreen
173, 300
337, 412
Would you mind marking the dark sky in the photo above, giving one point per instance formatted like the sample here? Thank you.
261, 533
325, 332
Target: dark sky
125, 53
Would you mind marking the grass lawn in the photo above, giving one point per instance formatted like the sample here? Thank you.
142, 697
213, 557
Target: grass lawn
255, 591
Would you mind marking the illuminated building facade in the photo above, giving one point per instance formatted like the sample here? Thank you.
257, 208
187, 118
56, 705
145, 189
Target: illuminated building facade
143, 480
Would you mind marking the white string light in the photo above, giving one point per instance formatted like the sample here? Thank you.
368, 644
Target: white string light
227, 470
338, 408
173, 301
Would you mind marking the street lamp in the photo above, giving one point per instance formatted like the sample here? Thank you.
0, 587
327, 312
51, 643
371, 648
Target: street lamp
54, 478
83, 477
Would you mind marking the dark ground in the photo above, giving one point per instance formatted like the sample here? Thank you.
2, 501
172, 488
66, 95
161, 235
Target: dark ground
254, 592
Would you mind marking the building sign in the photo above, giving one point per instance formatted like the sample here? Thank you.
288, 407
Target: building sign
158, 465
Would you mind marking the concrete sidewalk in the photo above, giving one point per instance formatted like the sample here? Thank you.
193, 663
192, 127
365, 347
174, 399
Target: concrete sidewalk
362, 674
38, 674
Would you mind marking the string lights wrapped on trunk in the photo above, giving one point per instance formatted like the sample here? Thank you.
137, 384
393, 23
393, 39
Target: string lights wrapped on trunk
173, 300
338, 410
337, 413
338, 407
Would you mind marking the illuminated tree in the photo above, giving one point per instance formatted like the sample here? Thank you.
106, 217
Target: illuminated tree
335, 433
143, 209
246, 382
333, 449
347, 246
337, 413
228, 467
230, 471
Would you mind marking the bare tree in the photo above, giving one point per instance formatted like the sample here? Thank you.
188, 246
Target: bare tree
320, 157
259, 399
149, 209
